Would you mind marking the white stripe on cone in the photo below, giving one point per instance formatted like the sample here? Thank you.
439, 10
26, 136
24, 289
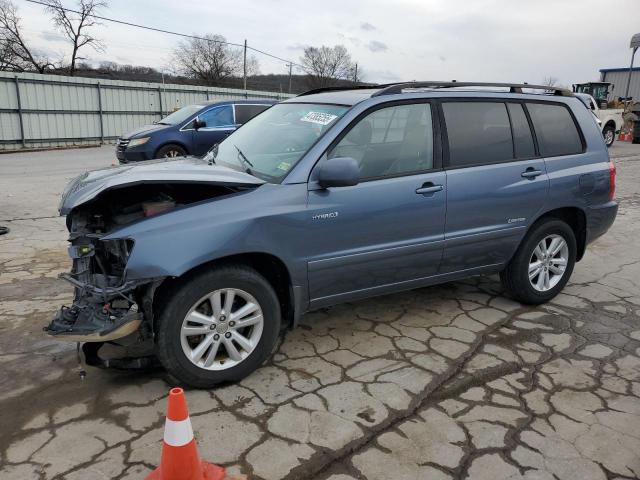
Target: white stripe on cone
178, 433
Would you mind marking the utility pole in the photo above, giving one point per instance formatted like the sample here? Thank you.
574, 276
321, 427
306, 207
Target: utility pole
355, 75
290, 65
635, 44
245, 66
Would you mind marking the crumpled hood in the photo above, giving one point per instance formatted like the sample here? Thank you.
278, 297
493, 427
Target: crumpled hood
184, 170
144, 129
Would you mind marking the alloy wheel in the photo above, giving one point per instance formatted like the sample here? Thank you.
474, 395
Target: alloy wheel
222, 329
548, 262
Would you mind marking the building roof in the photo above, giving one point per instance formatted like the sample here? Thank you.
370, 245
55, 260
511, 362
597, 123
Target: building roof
619, 69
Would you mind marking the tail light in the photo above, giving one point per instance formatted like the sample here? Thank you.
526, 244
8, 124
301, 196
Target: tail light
612, 180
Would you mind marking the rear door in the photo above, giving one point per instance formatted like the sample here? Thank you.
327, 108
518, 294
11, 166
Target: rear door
496, 181
246, 111
219, 124
388, 230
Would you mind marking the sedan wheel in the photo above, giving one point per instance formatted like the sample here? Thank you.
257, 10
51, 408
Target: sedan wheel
222, 329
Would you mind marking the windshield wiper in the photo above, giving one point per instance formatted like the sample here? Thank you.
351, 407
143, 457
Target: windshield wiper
244, 158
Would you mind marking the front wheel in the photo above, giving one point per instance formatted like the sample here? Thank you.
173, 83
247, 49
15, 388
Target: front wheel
609, 134
542, 264
170, 151
218, 326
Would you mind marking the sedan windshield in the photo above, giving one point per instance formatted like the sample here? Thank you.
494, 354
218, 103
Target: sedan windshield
269, 145
181, 115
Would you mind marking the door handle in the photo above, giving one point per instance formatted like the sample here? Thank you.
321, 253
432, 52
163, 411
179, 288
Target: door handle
428, 188
531, 173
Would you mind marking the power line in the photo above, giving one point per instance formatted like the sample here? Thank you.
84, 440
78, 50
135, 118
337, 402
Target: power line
169, 32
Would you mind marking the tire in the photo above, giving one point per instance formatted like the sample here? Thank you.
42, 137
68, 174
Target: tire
172, 322
515, 277
609, 134
170, 151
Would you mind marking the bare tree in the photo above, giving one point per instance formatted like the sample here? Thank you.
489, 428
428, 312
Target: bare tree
75, 25
210, 59
550, 81
15, 54
325, 65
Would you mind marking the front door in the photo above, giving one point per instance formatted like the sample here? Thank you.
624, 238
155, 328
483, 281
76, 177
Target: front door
387, 231
496, 184
219, 124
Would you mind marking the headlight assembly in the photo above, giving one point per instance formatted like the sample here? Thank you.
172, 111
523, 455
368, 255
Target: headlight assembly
136, 142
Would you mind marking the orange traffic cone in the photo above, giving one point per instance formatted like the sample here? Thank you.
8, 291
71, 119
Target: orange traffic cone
180, 459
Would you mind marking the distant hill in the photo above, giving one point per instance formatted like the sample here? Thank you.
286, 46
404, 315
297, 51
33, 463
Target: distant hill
270, 82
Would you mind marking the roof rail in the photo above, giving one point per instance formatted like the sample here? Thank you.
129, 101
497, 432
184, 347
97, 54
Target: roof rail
513, 87
346, 87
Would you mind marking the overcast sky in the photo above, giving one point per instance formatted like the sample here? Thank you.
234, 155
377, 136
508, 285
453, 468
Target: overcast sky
481, 40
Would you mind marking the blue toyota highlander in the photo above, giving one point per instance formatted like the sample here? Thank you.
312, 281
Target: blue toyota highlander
329, 197
192, 130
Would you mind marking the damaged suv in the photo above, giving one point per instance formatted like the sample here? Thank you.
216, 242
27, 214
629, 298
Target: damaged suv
332, 196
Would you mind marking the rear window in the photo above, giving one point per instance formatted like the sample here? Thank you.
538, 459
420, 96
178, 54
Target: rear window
555, 129
244, 113
479, 133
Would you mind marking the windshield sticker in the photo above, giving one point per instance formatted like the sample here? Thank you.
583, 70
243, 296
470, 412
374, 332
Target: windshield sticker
283, 166
320, 118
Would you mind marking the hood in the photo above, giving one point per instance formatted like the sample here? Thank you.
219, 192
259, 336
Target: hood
89, 185
144, 129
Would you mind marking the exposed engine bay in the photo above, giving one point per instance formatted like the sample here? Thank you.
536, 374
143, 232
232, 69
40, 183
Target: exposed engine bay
108, 307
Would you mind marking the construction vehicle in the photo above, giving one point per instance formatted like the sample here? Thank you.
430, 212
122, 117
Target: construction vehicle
598, 90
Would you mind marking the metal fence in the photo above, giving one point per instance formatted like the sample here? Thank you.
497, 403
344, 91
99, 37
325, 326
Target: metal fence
43, 111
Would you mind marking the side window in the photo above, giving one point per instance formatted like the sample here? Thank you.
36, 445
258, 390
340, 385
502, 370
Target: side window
479, 133
390, 141
555, 129
218, 117
244, 113
522, 138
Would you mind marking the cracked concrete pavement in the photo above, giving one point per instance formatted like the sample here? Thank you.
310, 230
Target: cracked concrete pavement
453, 381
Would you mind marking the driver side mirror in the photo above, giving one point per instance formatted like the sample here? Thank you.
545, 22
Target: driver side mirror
339, 172
198, 124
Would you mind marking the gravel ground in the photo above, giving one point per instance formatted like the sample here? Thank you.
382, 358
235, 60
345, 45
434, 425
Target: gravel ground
453, 381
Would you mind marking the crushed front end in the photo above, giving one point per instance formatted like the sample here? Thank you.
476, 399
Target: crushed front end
107, 308
113, 301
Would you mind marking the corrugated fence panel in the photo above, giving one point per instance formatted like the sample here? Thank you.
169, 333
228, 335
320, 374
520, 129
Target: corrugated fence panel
56, 111
9, 126
115, 125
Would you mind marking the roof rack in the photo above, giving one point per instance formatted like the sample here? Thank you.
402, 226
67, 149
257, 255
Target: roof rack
397, 88
338, 89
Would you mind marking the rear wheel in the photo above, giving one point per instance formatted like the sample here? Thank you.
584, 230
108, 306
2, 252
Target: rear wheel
218, 326
171, 151
542, 264
609, 134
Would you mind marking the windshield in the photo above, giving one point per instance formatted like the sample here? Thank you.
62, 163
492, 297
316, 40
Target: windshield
181, 115
270, 144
